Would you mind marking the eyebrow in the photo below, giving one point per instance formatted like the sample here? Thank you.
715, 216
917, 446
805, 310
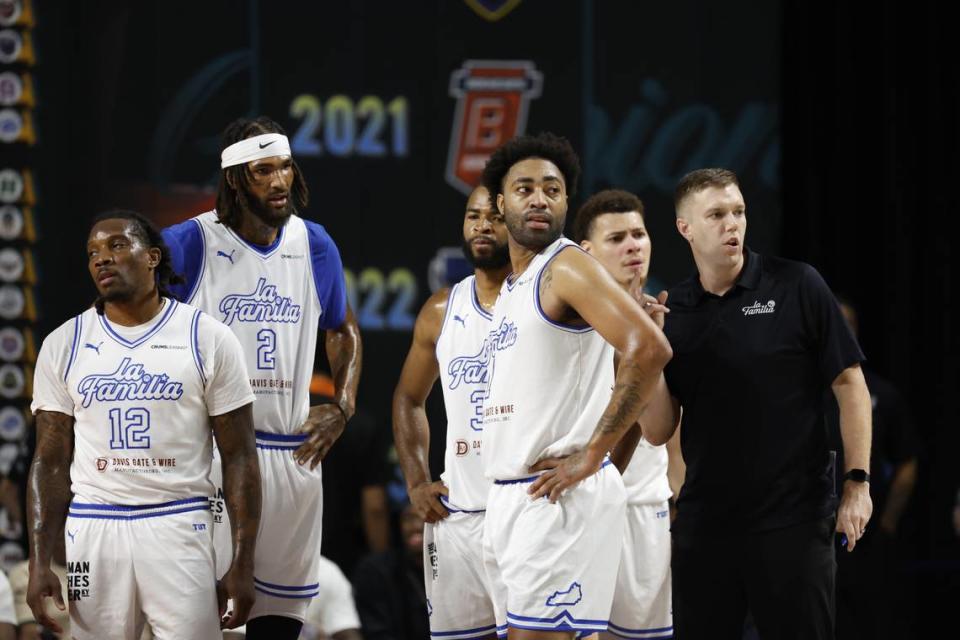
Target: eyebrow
546, 178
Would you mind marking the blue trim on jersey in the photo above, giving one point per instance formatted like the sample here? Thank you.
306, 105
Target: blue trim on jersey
536, 297
528, 479
279, 441
259, 249
188, 256
133, 344
142, 507
561, 621
446, 312
77, 329
479, 632
290, 596
198, 504
452, 509
282, 587
642, 634
280, 437
326, 267
195, 345
476, 301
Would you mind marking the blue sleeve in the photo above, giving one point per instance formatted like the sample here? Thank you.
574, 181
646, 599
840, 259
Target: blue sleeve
327, 276
187, 253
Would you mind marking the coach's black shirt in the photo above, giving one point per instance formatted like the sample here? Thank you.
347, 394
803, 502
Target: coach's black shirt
750, 369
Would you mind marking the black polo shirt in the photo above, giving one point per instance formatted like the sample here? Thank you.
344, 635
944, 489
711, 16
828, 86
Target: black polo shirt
750, 369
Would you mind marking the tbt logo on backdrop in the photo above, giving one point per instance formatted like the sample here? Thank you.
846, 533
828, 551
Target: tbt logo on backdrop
492, 100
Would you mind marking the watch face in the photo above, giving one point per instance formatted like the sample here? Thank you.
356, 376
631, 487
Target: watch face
857, 475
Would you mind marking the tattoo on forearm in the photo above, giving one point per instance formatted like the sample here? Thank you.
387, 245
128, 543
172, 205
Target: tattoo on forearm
624, 404
241, 475
48, 484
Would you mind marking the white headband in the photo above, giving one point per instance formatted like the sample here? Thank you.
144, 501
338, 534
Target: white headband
255, 148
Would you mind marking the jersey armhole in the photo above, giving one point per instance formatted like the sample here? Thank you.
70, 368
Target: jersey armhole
446, 311
77, 331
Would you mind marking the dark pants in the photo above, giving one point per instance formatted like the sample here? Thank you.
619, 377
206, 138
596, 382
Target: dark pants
785, 578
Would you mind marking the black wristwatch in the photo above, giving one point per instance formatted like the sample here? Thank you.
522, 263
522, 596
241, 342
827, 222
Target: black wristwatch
857, 475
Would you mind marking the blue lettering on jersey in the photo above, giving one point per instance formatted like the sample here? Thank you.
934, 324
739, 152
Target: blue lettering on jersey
128, 382
504, 337
470, 369
264, 304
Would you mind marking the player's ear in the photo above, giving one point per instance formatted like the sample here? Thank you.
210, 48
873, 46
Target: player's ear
586, 245
500, 203
153, 257
684, 227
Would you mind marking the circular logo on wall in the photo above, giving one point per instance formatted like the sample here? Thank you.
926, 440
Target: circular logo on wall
10, 46
12, 423
11, 88
11, 264
11, 185
10, 11
11, 125
12, 344
11, 222
11, 302
11, 381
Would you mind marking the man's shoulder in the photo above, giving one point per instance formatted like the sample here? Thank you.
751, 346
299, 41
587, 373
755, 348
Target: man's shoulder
785, 270
684, 292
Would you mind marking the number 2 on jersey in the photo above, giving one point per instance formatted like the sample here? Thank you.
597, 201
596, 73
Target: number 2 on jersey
129, 430
267, 341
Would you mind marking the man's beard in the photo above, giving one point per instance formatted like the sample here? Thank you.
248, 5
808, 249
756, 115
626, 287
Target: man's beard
500, 257
534, 239
265, 213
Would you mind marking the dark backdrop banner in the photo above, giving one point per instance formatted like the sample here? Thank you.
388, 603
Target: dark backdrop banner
392, 109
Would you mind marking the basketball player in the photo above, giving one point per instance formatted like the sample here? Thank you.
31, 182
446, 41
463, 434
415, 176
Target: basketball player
554, 560
122, 398
274, 278
610, 227
450, 341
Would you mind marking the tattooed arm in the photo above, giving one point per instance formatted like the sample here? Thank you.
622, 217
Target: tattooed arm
241, 491
48, 498
579, 284
325, 422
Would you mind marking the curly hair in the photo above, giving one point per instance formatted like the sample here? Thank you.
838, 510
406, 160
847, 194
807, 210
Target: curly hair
702, 179
149, 236
229, 199
543, 145
607, 201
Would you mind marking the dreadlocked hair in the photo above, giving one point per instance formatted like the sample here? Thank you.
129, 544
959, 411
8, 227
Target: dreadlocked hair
229, 198
149, 236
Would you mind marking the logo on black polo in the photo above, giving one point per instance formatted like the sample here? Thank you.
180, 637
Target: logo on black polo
757, 308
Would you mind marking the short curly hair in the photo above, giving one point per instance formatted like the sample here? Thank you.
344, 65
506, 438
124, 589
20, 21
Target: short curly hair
544, 145
606, 201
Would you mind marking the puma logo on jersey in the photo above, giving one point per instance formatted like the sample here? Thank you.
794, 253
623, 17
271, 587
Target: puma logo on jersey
71, 534
95, 347
228, 256
462, 320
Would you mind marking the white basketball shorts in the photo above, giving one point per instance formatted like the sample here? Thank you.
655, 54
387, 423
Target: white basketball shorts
286, 566
131, 564
642, 605
553, 566
459, 598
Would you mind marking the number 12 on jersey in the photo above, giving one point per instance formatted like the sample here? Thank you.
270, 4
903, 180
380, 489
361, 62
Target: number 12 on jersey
128, 430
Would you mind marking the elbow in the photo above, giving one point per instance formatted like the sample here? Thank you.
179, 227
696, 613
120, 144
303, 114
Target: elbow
656, 353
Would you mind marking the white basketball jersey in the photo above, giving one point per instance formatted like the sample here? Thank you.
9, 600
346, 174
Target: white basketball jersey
140, 397
268, 297
463, 354
549, 383
646, 476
